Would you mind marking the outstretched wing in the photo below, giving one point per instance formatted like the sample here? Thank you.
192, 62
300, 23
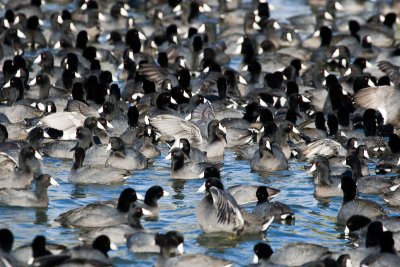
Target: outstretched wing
324, 147
64, 121
154, 73
382, 98
392, 71
177, 128
203, 111
228, 211
80, 107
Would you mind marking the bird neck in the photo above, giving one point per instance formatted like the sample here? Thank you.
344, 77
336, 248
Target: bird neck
135, 223
41, 192
177, 164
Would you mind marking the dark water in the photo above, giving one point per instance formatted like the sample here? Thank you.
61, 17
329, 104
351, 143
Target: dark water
314, 223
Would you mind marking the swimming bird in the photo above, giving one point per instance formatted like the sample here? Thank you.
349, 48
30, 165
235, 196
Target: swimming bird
177, 128
269, 157
219, 212
172, 241
21, 175
100, 214
182, 170
119, 233
243, 194
94, 254
265, 209
94, 174
20, 198
352, 205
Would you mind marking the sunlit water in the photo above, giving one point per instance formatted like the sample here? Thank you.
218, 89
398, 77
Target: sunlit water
314, 223
315, 220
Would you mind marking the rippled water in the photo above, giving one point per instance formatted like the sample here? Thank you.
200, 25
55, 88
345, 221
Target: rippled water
315, 220
314, 223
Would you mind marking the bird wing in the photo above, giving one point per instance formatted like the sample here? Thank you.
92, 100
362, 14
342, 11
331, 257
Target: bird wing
65, 121
178, 128
80, 107
382, 98
228, 211
204, 81
154, 73
324, 147
392, 71
202, 111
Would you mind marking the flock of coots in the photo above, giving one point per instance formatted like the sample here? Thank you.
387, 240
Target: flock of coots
118, 88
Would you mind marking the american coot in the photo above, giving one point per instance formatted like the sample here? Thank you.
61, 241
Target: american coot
325, 184
389, 160
110, 111
265, 209
38, 247
370, 184
243, 194
148, 147
269, 157
164, 105
35, 138
371, 245
142, 242
85, 137
295, 254
358, 224
124, 158
351, 205
118, 233
67, 122
42, 82
191, 153
94, 174
320, 131
6, 244
63, 148
177, 128
182, 170
172, 241
251, 115
364, 238
100, 214
17, 113
153, 194
387, 255
324, 147
22, 176
280, 137
262, 252
139, 240
21, 198
383, 99
81, 254
168, 242
95, 155
219, 212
